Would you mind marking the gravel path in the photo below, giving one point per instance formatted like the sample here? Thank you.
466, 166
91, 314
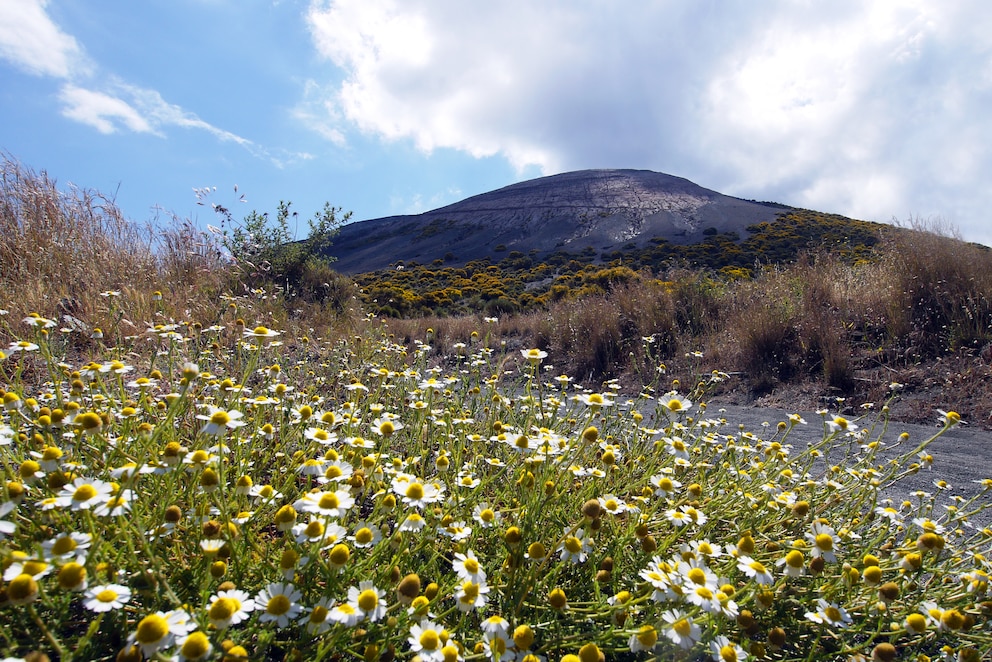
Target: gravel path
962, 455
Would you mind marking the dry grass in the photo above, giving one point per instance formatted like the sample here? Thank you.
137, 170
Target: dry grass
64, 250
848, 329
840, 329
940, 293
70, 255
60, 248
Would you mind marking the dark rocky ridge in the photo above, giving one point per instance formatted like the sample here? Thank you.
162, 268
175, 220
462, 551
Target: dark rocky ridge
601, 209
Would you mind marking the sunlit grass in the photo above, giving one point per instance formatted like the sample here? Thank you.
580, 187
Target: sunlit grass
240, 492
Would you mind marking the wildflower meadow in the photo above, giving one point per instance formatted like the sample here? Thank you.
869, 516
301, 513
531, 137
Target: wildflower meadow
231, 492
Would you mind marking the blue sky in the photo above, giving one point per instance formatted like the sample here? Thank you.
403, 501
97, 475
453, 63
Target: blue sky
873, 110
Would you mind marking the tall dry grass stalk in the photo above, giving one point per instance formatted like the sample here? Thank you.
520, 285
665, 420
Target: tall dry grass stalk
939, 291
60, 248
69, 254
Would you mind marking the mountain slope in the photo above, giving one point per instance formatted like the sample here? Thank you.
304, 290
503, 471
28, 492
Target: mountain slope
601, 209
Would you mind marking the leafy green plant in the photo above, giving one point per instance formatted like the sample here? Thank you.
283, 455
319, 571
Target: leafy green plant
268, 252
202, 501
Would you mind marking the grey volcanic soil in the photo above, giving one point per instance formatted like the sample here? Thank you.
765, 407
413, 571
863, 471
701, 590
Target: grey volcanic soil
961, 455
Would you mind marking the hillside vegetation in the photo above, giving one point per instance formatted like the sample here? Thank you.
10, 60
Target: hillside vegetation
522, 282
819, 304
211, 451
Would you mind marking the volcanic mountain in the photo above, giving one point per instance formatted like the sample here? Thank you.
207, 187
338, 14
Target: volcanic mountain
574, 211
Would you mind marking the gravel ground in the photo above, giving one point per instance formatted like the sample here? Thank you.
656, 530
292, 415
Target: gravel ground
962, 455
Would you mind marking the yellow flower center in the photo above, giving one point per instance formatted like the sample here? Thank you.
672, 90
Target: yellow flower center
666, 484
487, 515
329, 500
596, 399
471, 565
278, 605
106, 595
89, 421
832, 614
758, 567
364, 536
675, 404
728, 654
825, 542
71, 575
63, 545
333, 471
557, 598
648, 636
200, 456
261, 331
195, 646
21, 588
51, 453
612, 504
84, 492
523, 637
704, 593
415, 491
952, 619
916, 622
794, 559
682, 627
29, 468
873, 574
471, 591
339, 555
589, 653
387, 428
319, 614
220, 418
368, 600
223, 608
209, 478
429, 640
314, 529
152, 628
34, 568
573, 545
536, 550
697, 576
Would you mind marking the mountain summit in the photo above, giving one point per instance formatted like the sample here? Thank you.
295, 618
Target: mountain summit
573, 211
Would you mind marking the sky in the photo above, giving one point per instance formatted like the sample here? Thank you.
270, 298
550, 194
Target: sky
874, 110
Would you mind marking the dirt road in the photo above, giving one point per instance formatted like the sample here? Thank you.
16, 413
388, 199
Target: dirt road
962, 455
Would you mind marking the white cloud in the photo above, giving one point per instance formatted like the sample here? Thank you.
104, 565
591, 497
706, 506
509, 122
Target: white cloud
124, 107
104, 112
868, 109
318, 110
33, 42
162, 114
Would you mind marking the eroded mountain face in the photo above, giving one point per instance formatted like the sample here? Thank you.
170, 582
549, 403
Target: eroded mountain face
598, 209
